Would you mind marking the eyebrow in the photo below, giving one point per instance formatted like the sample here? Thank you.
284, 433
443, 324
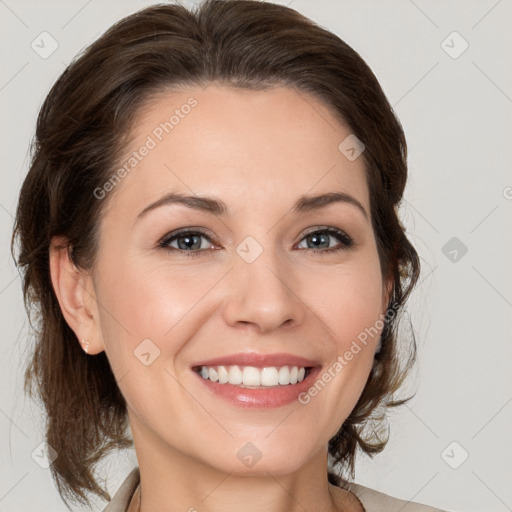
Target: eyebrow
218, 207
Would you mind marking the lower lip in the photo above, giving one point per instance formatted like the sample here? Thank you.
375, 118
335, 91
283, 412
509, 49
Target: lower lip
261, 398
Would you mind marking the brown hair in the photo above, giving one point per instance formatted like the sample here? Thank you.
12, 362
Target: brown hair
81, 132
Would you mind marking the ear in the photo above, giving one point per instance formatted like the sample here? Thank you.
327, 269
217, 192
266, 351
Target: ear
75, 292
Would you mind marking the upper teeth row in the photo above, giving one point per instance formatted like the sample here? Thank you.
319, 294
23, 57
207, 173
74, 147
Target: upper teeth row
252, 376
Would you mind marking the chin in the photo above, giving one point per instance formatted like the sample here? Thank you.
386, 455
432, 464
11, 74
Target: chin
260, 457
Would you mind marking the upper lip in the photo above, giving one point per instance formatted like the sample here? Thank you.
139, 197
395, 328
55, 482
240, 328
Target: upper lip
259, 360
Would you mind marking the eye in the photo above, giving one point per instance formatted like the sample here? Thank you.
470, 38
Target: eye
187, 241
320, 239
191, 242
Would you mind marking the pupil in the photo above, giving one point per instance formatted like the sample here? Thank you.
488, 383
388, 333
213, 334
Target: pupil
189, 241
316, 239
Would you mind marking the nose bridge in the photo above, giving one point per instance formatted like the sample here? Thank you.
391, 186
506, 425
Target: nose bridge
261, 287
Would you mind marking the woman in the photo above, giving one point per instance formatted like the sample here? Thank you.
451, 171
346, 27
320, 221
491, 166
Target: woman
208, 232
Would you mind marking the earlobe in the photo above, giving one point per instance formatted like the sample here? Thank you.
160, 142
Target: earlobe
75, 293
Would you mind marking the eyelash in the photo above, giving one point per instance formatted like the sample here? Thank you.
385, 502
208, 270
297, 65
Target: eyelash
346, 241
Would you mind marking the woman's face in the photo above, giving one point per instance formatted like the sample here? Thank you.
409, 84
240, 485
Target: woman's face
256, 278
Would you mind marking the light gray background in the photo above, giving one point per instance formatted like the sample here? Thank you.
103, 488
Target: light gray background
456, 113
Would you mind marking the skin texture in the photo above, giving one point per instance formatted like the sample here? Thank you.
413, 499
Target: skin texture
258, 151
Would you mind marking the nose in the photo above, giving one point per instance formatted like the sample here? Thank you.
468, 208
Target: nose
263, 294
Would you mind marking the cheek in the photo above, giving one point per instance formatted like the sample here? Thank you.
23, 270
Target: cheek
147, 299
150, 301
352, 314
349, 301
148, 315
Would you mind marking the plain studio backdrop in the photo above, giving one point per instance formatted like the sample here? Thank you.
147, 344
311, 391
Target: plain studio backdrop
445, 67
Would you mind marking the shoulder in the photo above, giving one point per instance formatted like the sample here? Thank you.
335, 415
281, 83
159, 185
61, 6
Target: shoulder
375, 501
123, 496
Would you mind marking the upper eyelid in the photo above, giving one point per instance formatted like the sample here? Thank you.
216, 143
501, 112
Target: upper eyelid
183, 231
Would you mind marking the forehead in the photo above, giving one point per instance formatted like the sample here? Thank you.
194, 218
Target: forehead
219, 140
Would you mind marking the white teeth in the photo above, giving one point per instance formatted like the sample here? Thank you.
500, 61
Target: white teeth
269, 376
213, 375
223, 374
284, 375
250, 376
235, 375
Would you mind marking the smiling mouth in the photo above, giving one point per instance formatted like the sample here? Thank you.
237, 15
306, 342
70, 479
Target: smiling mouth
252, 377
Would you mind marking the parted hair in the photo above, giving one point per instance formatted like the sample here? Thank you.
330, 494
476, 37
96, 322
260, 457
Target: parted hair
81, 132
